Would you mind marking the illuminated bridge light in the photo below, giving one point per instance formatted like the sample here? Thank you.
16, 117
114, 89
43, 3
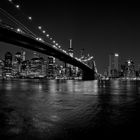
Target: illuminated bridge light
64, 51
30, 18
47, 35
54, 41
39, 27
17, 6
10, 0
39, 39
18, 30
56, 44
43, 31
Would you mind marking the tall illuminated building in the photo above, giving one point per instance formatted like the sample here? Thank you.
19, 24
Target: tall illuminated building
70, 49
18, 57
8, 65
37, 67
113, 65
17, 64
23, 55
50, 68
129, 69
35, 54
70, 68
25, 69
1, 68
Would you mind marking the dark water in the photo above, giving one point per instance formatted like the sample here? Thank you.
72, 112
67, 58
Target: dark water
70, 110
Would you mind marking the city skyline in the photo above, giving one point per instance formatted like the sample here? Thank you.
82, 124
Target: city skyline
100, 29
16, 65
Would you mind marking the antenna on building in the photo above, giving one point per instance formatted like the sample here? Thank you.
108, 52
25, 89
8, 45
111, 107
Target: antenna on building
70, 43
70, 50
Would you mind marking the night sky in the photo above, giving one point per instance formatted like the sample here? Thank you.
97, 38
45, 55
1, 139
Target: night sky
99, 28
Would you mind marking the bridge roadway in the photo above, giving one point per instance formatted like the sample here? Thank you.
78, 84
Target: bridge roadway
28, 42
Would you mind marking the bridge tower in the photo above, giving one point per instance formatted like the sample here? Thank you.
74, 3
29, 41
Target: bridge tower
88, 75
90, 61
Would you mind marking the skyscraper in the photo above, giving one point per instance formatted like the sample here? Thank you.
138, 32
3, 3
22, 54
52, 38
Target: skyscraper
18, 57
70, 50
129, 69
8, 65
69, 69
23, 55
51, 63
113, 65
36, 67
16, 67
1, 68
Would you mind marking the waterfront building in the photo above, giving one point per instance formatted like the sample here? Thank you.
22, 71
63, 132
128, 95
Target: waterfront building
138, 70
25, 69
70, 68
129, 69
23, 55
51, 67
37, 68
105, 73
122, 70
16, 66
18, 57
113, 70
7, 73
58, 71
1, 69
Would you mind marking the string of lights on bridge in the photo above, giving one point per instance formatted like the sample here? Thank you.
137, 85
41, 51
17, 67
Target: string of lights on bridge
55, 44
39, 27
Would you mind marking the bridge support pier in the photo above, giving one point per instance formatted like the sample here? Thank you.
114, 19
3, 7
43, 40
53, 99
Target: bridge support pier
88, 75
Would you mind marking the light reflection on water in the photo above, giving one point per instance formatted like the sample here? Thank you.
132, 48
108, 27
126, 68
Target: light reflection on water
58, 109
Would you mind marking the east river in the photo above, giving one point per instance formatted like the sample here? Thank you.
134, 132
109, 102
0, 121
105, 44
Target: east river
68, 110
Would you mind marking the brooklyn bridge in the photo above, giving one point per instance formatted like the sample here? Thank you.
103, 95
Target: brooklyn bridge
19, 30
